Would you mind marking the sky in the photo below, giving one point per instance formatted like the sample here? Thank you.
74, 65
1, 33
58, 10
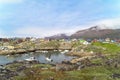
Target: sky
41, 18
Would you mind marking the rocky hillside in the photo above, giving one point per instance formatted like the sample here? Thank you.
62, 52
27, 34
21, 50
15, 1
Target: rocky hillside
97, 32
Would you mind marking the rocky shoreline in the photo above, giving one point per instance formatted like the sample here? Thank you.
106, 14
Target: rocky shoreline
12, 52
22, 51
17, 68
10, 70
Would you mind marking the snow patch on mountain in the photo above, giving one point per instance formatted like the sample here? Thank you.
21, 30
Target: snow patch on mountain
108, 24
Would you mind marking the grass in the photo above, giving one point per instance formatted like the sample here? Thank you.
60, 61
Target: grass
42, 66
13, 66
97, 61
39, 74
110, 48
54, 44
89, 73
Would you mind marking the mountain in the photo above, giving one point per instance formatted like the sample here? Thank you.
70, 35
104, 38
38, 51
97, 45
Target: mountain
58, 36
97, 32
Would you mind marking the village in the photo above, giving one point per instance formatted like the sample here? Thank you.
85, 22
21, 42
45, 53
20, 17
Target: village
96, 53
33, 43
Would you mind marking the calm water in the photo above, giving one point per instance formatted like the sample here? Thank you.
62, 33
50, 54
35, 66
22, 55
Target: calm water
56, 56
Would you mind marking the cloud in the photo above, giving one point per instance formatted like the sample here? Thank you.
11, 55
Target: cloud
46, 18
2, 33
113, 23
33, 31
10, 1
38, 31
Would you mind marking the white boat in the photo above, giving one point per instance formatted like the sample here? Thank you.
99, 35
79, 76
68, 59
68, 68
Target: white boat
48, 59
31, 59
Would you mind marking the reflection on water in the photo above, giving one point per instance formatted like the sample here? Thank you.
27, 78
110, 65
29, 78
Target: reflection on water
57, 57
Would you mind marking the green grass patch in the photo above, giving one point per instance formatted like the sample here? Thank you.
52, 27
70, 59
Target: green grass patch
42, 65
110, 48
91, 73
97, 61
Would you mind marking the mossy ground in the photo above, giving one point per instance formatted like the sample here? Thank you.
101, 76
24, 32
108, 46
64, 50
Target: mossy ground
99, 72
90, 73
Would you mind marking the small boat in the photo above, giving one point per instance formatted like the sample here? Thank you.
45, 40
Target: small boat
48, 59
31, 59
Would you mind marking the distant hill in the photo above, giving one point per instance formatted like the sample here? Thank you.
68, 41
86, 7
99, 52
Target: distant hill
97, 32
58, 36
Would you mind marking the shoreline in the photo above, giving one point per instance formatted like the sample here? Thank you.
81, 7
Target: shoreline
22, 51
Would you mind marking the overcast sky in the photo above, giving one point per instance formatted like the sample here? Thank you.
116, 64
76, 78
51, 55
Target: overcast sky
40, 18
